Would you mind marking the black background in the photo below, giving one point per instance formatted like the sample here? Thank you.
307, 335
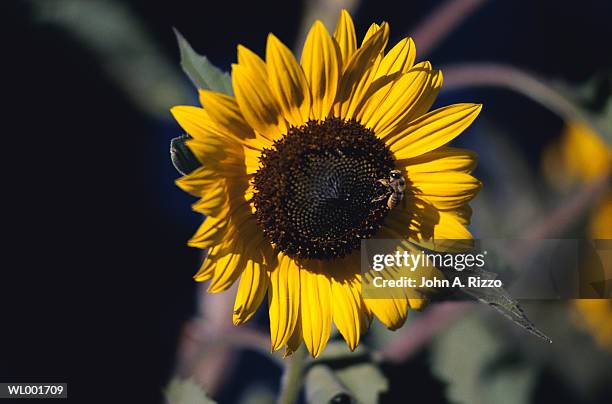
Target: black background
96, 277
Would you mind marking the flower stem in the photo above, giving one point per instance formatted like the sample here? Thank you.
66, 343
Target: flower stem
292, 377
499, 75
503, 76
441, 22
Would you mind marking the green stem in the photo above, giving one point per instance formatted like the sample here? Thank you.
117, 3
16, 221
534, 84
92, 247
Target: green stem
292, 378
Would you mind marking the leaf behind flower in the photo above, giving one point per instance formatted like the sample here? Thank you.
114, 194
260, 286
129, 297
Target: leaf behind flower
201, 72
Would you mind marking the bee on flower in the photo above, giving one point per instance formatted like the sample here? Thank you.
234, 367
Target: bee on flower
291, 164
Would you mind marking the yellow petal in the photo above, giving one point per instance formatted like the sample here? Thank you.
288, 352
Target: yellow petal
424, 102
207, 269
233, 202
416, 300
417, 303
213, 200
433, 130
287, 82
345, 37
225, 113
251, 291
210, 151
231, 258
197, 181
251, 160
294, 341
347, 311
283, 300
316, 310
451, 227
433, 229
241, 223
252, 61
421, 105
398, 60
390, 104
372, 29
447, 190
391, 67
193, 120
209, 233
391, 312
256, 102
442, 159
196, 122
585, 155
320, 63
210, 142
601, 218
259, 142
229, 264
359, 73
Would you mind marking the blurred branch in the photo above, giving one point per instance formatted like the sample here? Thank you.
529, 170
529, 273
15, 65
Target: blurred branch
507, 170
414, 337
499, 75
205, 354
210, 343
571, 209
124, 48
512, 78
441, 22
234, 337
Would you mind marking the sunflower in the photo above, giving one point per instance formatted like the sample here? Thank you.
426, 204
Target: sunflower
289, 178
581, 156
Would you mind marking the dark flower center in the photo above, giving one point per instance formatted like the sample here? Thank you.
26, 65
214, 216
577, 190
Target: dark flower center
316, 188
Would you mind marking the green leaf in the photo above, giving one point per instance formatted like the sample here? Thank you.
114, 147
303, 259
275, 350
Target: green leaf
583, 95
186, 392
498, 298
323, 386
338, 371
202, 73
365, 381
474, 365
258, 394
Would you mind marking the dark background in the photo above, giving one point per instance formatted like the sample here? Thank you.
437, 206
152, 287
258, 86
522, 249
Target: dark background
96, 276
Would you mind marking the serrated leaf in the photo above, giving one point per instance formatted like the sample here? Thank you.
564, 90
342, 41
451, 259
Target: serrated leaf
186, 392
201, 72
498, 298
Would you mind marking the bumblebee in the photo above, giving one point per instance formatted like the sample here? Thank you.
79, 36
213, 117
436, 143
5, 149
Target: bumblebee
396, 186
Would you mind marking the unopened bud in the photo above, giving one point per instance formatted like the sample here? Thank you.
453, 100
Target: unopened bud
182, 157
